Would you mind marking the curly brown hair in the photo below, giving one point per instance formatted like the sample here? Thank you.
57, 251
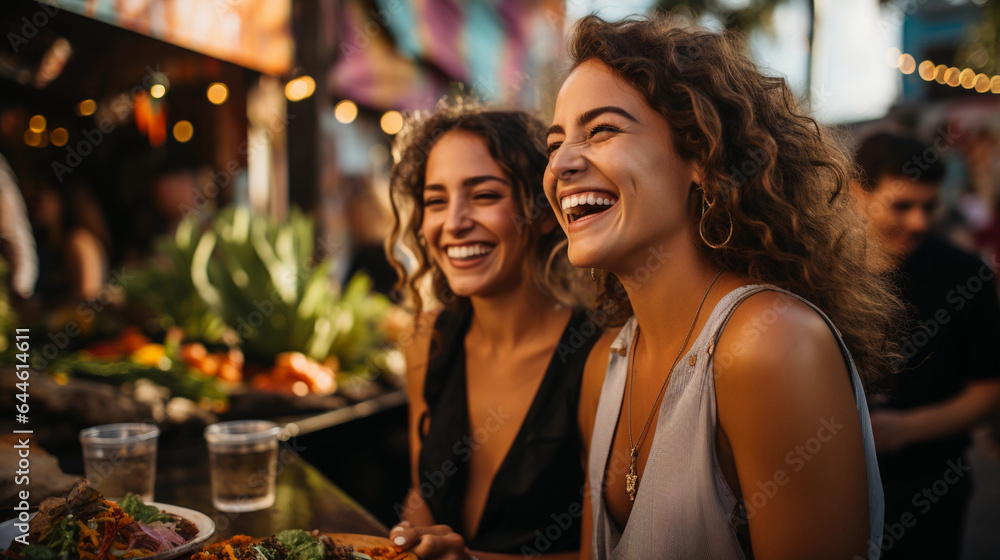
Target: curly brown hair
776, 172
516, 141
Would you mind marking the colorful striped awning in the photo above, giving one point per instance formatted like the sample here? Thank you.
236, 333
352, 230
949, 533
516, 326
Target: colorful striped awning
403, 55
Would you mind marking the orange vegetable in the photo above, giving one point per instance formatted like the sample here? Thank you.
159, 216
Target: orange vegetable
193, 353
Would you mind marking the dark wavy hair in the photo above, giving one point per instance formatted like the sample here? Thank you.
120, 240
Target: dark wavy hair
886, 154
777, 173
516, 141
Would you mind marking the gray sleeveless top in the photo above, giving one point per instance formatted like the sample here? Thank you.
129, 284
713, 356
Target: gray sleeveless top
684, 507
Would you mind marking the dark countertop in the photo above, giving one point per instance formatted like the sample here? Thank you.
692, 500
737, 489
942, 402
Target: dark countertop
305, 499
371, 423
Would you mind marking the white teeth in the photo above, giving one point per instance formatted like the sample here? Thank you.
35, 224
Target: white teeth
467, 251
589, 199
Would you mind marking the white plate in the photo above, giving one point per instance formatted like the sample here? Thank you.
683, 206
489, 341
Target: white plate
204, 524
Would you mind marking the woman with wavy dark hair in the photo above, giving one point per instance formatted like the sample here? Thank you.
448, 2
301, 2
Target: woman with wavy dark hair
732, 420
493, 379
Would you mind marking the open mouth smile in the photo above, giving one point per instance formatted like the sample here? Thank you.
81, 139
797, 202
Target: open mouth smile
583, 205
468, 252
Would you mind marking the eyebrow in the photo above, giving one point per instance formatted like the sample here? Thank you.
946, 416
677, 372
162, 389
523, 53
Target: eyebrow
591, 115
470, 182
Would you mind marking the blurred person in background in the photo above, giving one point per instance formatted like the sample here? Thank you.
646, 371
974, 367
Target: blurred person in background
732, 422
73, 243
176, 195
948, 375
982, 200
17, 244
493, 379
369, 223
179, 188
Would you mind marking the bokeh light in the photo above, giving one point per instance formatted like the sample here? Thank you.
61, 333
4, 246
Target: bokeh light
37, 123
951, 77
982, 83
940, 71
926, 70
59, 137
86, 107
183, 131
217, 93
967, 78
906, 63
391, 122
32, 138
300, 88
346, 111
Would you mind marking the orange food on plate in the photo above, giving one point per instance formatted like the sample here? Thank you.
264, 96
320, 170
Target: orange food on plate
379, 552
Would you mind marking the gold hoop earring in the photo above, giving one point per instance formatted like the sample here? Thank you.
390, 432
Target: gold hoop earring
592, 277
705, 207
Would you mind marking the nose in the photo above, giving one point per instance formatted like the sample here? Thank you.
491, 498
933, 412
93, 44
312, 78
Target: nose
459, 218
567, 162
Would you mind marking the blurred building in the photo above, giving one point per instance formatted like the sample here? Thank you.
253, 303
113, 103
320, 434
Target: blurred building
265, 102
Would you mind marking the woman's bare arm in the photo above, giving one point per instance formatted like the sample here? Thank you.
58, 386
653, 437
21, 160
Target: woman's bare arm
590, 395
786, 406
416, 348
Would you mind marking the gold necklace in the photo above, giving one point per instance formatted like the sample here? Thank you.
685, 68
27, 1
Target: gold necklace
632, 478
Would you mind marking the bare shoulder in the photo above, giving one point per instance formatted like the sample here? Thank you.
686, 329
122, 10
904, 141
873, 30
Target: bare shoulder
773, 337
416, 343
783, 392
778, 364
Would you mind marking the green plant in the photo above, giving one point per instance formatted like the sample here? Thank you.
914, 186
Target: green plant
177, 376
7, 316
166, 285
261, 278
256, 279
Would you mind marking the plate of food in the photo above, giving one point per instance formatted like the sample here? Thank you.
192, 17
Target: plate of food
295, 544
85, 526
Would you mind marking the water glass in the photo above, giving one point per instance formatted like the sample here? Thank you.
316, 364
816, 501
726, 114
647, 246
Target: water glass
243, 463
121, 458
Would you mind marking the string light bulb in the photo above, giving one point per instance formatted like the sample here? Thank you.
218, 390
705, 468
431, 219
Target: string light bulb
300, 88
183, 131
346, 111
217, 93
86, 107
391, 122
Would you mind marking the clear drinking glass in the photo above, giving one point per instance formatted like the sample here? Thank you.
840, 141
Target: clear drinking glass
121, 458
243, 462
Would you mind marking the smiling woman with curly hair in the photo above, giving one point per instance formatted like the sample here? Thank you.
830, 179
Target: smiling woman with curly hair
494, 378
732, 421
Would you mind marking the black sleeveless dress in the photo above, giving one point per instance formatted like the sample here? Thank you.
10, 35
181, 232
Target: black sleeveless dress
534, 505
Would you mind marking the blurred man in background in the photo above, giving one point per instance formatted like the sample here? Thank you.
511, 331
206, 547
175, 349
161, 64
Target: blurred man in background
948, 375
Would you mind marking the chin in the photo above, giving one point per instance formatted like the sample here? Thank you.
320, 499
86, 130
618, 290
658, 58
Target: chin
465, 289
585, 257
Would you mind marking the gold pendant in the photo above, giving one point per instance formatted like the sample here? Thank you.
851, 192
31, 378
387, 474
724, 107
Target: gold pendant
631, 477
